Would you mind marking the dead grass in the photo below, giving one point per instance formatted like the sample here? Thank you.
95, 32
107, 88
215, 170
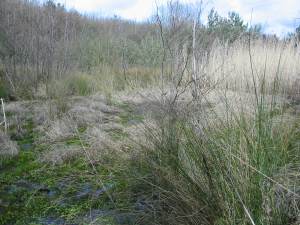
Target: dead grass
92, 110
100, 143
58, 130
59, 154
231, 68
286, 202
8, 148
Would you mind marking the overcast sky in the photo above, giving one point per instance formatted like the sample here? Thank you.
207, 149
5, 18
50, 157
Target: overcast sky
276, 16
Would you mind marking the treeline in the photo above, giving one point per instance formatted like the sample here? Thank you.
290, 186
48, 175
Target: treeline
42, 42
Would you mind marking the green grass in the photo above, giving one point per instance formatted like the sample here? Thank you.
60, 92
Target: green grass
228, 174
128, 114
21, 204
66, 181
79, 85
4, 92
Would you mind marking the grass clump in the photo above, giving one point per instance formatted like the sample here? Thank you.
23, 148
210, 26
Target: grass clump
8, 148
234, 172
77, 84
80, 84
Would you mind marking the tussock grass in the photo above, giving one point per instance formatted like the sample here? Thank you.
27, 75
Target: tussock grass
228, 174
76, 85
59, 130
59, 154
8, 147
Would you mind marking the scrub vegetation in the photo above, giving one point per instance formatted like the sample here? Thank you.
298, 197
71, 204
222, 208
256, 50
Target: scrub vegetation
167, 121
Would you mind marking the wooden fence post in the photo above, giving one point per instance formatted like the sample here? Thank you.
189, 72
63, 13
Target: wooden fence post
4, 116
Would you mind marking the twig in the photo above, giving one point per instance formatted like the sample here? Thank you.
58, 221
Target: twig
245, 209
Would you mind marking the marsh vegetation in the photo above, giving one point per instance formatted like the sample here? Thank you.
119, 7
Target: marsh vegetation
168, 121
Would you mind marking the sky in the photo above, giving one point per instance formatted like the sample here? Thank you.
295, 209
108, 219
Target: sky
276, 16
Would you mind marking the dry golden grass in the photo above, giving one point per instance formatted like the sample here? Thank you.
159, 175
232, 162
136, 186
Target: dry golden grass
271, 61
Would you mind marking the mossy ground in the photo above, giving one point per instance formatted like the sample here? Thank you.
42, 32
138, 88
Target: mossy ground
32, 192
128, 114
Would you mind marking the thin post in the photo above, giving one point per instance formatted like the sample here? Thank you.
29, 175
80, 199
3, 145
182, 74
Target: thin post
195, 75
4, 115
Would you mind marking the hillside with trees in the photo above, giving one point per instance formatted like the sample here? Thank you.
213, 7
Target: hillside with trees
42, 43
171, 121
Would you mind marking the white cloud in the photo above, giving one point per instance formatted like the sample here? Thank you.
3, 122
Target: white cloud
139, 11
277, 16
95, 5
